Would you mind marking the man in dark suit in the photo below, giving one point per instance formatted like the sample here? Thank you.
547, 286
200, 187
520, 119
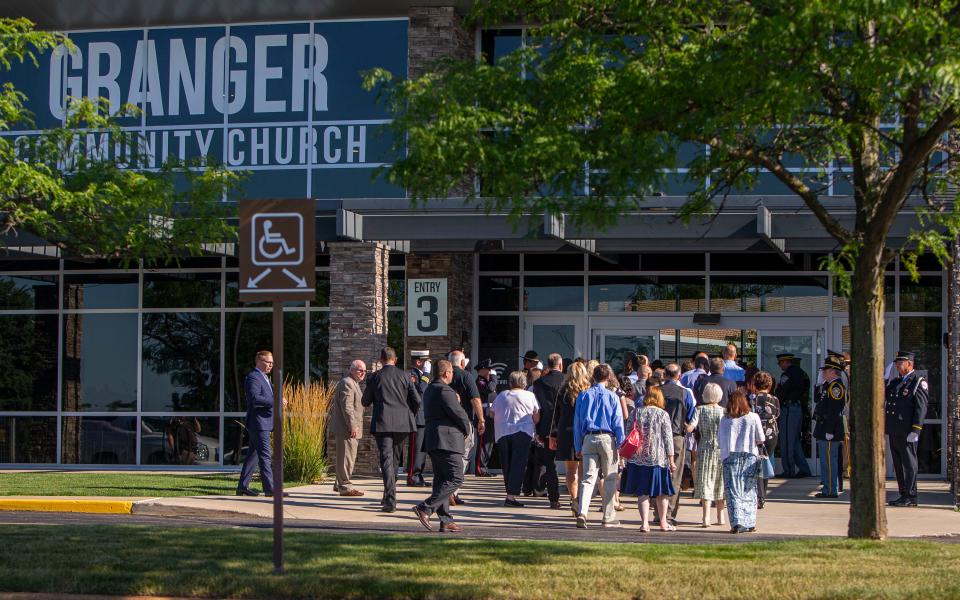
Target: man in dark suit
793, 390
447, 427
905, 408
395, 403
259, 394
547, 390
716, 376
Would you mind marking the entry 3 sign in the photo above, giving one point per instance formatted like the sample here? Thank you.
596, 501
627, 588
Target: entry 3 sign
277, 250
426, 307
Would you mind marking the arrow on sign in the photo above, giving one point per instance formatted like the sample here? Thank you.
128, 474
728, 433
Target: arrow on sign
301, 282
253, 281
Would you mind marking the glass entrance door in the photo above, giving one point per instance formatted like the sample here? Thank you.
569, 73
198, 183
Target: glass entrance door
553, 334
805, 346
612, 346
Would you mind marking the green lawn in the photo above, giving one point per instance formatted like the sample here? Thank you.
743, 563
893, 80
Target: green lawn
115, 484
236, 563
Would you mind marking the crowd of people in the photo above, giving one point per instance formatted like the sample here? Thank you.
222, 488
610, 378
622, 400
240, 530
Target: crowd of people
633, 433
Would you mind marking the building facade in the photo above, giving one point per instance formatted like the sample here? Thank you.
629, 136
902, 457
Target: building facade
105, 362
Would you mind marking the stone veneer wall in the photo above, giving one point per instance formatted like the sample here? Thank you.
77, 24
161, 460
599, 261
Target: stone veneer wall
358, 324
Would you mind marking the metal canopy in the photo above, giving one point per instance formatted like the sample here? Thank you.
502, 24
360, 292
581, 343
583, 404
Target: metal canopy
746, 223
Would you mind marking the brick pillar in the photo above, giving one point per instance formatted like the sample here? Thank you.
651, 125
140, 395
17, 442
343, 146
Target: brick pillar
457, 268
358, 324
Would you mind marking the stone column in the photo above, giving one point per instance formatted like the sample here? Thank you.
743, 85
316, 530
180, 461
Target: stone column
358, 324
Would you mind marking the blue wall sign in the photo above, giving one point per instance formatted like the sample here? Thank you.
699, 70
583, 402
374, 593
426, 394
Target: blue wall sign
281, 100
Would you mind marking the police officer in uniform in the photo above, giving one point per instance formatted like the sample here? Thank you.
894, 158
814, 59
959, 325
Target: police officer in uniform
828, 431
905, 408
420, 376
792, 390
487, 385
843, 360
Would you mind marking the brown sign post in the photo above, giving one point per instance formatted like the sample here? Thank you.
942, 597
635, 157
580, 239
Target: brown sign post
277, 263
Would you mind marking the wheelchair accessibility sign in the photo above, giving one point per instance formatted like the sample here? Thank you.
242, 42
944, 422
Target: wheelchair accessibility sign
277, 250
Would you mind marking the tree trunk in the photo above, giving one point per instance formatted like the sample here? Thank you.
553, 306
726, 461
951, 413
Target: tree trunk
953, 373
868, 517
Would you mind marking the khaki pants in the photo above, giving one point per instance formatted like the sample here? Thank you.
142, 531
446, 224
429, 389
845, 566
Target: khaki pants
599, 456
346, 458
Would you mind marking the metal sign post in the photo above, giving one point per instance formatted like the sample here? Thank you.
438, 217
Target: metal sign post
278, 263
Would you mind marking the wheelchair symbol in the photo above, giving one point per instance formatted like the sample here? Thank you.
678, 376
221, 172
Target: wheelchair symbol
279, 239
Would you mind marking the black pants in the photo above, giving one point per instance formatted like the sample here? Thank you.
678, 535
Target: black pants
258, 449
533, 473
514, 453
548, 459
904, 464
447, 479
388, 445
417, 456
484, 446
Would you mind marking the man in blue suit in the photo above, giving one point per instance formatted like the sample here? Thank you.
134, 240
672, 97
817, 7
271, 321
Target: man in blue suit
259, 393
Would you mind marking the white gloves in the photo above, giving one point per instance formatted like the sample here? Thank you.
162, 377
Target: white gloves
912, 437
426, 367
829, 436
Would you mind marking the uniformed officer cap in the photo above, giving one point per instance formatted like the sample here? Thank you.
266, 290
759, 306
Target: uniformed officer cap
832, 363
485, 364
838, 356
531, 355
904, 355
419, 354
785, 356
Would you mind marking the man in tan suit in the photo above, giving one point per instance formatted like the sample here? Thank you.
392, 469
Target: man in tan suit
346, 421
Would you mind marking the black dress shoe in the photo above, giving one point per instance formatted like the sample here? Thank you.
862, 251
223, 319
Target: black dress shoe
901, 501
910, 502
247, 492
456, 500
388, 509
270, 494
825, 495
513, 503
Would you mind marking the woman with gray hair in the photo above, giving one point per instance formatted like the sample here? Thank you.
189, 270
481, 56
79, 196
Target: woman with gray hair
708, 479
515, 412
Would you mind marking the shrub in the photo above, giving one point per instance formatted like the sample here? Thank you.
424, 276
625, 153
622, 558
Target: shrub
304, 431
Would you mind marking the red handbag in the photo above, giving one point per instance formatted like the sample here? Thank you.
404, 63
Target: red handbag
630, 445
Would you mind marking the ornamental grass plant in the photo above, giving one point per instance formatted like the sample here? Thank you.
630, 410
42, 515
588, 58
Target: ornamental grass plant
304, 431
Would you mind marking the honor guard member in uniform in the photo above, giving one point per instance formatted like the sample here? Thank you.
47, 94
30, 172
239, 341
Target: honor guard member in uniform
828, 431
487, 386
420, 376
842, 360
905, 408
792, 390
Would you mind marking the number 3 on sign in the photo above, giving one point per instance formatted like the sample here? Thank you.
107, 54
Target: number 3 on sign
426, 307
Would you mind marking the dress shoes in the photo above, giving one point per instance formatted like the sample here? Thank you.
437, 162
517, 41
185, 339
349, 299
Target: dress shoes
898, 502
450, 527
417, 483
388, 509
556, 506
513, 503
351, 492
423, 516
456, 500
825, 495
904, 501
247, 492
270, 494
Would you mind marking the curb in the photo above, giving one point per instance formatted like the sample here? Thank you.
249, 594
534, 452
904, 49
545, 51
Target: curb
114, 507
151, 509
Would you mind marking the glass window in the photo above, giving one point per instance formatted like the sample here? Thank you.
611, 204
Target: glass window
555, 337
616, 348
930, 450
499, 262
180, 440
613, 262
499, 340
99, 362
323, 289
181, 290
396, 288
499, 292
100, 291
234, 441
647, 294
249, 332
924, 337
768, 294
753, 261
497, 43
319, 346
233, 295
181, 362
395, 336
553, 262
26, 263
28, 379
673, 262
28, 440
553, 293
99, 441
28, 292
925, 295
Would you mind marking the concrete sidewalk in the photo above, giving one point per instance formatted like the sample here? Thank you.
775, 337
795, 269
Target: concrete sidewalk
791, 509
